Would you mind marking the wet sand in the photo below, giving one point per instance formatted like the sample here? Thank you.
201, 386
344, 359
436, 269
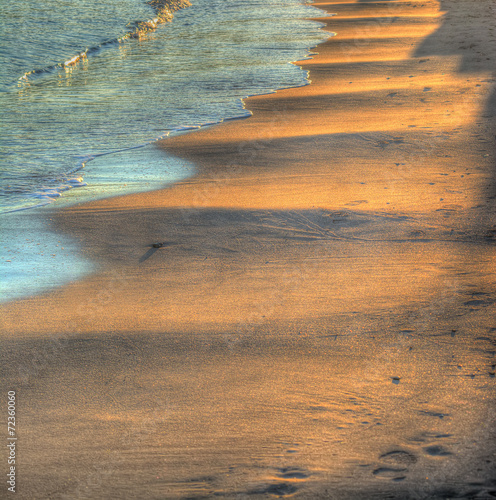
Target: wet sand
319, 319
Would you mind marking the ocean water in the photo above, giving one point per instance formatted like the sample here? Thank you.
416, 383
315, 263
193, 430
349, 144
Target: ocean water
86, 88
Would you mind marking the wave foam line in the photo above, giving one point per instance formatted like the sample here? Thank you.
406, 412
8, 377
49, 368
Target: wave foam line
164, 12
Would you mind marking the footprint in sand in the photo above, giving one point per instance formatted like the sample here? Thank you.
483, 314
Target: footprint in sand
437, 451
394, 474
278, 489
286, 482
395, 465
293, 473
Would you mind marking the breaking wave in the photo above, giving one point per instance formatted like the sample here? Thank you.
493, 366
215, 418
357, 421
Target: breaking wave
164, 12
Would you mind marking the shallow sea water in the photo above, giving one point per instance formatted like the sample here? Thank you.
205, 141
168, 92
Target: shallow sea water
85, 131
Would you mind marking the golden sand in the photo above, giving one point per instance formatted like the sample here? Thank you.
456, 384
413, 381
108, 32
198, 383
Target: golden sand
339, 238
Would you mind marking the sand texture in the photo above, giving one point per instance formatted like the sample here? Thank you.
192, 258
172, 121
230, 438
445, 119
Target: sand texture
319, 320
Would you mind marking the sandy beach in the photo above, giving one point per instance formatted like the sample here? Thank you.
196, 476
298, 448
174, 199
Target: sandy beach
312, 315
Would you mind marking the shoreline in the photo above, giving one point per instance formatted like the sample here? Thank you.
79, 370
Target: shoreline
140, 166
319, 314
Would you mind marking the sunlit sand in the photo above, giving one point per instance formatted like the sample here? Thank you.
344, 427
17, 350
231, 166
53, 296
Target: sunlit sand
319, 319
